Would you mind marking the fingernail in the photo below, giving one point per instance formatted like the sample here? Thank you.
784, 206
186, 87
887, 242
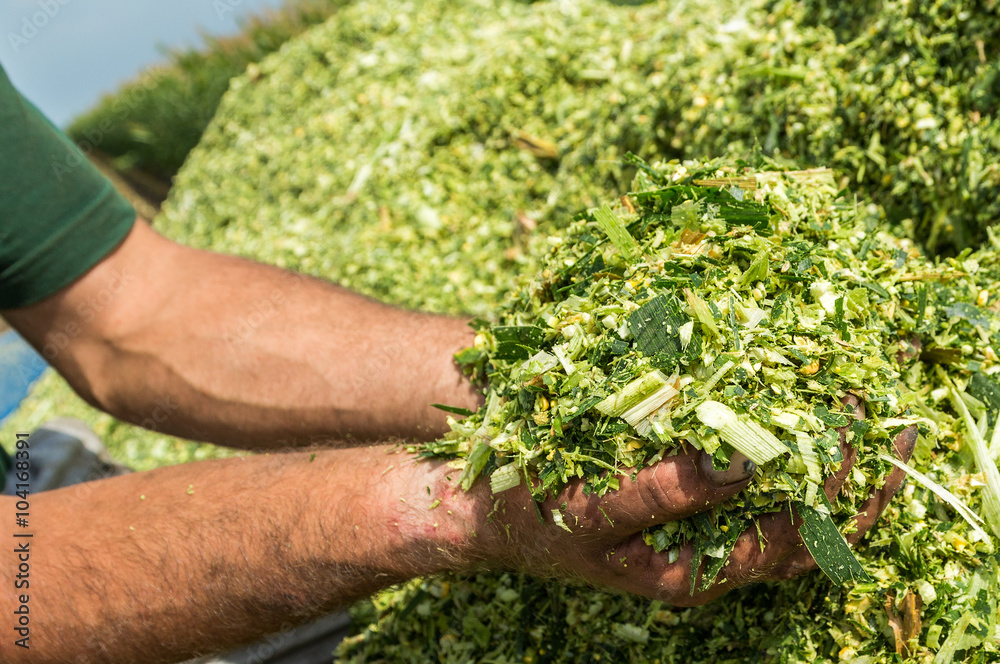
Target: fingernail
740, 469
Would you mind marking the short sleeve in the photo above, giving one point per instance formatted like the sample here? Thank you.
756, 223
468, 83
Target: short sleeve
58, 215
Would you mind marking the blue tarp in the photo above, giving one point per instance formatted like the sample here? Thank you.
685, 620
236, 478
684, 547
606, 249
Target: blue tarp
20, 367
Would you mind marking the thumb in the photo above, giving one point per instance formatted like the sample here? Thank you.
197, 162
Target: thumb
740, 468
673, 488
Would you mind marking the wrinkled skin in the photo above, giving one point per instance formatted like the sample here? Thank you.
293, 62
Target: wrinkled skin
606, 547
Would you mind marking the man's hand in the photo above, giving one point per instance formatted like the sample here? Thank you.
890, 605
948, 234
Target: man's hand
603, 544
203, 556
606, 547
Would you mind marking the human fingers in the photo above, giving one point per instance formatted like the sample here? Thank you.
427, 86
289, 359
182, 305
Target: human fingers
802, 561
574, 531
765, 548
671, 489
633, 566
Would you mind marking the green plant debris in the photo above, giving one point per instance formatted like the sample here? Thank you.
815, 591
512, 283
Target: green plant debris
616, 232
399, 151
828, 547
836, 314
985, 464
745, 435
899, 97
973, 519
421, 154
775, 351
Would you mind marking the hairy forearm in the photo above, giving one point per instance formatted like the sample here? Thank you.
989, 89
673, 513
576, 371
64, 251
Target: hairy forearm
225, 350
168, 564
259, 356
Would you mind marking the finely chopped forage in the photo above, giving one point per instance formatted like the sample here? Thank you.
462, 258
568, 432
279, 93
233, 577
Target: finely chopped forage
438, 135
898, 96
731, 309
417, 152
311, 164
730, 318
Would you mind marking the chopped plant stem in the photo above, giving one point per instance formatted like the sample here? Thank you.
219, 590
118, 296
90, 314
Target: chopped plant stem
753, 440
984, 462
433, 154
973, 519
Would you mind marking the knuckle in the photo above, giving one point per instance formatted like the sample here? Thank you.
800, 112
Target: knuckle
659, 494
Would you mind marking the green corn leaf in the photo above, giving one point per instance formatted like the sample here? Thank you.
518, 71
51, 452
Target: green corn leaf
517, 342
474, 464
656, 326
465, 412
829, 548
616, 232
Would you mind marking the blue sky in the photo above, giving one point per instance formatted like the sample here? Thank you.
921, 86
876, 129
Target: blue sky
64, 54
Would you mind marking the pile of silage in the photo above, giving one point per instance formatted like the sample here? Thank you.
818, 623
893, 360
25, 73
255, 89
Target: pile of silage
438, 136
414, 151
899, 96
409, 151
779, 298
734, 320
427, 213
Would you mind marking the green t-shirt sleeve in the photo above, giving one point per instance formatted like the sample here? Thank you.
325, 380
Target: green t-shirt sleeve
58, 215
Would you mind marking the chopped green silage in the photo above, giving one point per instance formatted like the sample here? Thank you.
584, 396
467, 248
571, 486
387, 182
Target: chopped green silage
398, 128
734, 319
416, 151
899, 96
533, 420
421, 152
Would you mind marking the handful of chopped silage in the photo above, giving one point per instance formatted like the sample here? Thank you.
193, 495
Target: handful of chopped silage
724, 309
934, 574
